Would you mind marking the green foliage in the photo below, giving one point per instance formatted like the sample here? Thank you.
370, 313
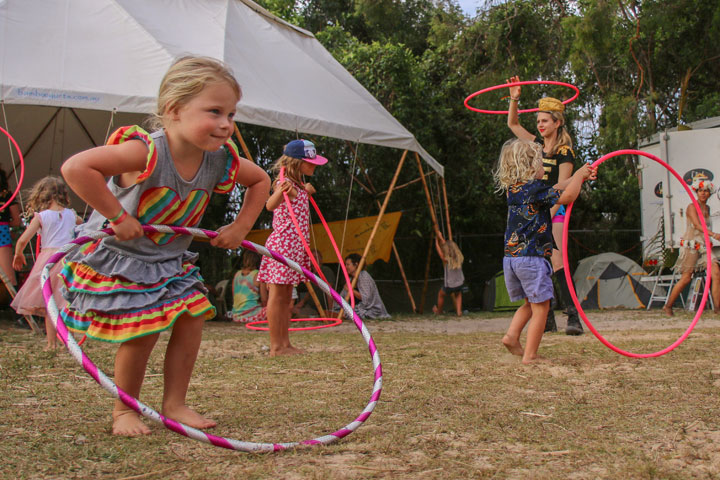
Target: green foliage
637, 64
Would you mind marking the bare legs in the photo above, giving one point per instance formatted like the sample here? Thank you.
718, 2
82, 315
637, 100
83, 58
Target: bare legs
676, 291
535, 314
50, 334
278, 314
457, 302
130, 364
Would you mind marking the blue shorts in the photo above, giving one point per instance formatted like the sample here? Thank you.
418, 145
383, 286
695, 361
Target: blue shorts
528, 277
5, 240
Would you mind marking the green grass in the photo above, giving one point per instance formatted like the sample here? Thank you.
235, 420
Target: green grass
454, 405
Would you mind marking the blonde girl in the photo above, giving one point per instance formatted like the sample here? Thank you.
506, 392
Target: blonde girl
128, 288
528, 238
299, 159
48, 204
558, 163
453, 277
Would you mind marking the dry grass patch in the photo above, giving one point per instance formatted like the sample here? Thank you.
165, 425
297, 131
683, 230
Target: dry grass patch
454, 405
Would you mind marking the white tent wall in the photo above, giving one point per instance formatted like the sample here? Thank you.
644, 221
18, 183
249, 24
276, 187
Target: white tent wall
690, 152
105, 55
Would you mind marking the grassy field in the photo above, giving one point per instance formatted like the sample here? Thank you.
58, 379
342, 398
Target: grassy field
454, 404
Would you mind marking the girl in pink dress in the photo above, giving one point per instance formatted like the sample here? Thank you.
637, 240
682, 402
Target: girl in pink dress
55, 223
298, 159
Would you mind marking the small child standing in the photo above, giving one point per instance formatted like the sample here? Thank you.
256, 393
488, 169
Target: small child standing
55, 223
128, 288
299, 158
528, 238
453, 278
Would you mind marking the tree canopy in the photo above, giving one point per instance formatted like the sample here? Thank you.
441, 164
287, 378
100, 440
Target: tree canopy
641, 66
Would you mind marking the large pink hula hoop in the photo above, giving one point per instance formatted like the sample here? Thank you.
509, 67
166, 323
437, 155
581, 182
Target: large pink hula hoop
515, 84
22, 169
178, 427
571, 286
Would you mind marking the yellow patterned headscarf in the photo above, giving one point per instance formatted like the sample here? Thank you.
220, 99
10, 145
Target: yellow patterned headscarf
550, 104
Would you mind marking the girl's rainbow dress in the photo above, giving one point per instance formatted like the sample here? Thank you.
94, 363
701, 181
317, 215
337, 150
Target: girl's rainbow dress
117, 291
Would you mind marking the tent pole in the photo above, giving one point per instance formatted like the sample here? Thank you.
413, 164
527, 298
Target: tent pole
396, 253
84, 129
315, 299
447, 210
367, 177
427, 274
408, 183
427, 194
39, 135
243, 145
383, 207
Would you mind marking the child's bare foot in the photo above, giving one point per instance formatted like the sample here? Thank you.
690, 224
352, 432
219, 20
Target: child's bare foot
128, 424
282, 351
668, 310
50, 347
513, 345
535, 359
189, 417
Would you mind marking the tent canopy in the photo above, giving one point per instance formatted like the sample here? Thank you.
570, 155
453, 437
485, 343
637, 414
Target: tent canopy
111, 55
610, 280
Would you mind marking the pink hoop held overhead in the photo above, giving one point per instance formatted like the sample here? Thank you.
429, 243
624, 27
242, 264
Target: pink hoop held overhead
22, 169
515, 84
174, 425
571, 286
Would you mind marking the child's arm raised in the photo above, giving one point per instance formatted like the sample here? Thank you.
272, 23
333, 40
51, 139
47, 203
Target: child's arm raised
85, 173
277, 196
439, 241
258, 188
513, 121
19, 259
571, 187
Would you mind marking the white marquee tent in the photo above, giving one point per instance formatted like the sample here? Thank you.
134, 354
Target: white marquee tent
66, 64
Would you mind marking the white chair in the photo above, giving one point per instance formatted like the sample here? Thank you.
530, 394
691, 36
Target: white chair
220, 290
662, 286
697, 285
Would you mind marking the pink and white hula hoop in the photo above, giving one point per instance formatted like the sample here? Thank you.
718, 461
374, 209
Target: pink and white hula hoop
178, 427
22, 168
515, 84
571, 286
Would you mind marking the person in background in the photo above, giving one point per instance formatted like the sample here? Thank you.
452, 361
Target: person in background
368, 304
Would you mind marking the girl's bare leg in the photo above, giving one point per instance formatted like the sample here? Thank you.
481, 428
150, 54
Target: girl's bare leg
182, 351
6, 264
715, 286
438, 307
278, 314
130, 362
511, 340
457, 297
676, 291
50, 334
535, 331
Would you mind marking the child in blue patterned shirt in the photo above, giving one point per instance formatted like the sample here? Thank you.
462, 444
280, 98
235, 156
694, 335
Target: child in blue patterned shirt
528, 238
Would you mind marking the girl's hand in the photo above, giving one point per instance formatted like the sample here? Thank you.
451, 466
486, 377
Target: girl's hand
229, 236
309, 188
587, 172
19, 261
514, 91
128, 229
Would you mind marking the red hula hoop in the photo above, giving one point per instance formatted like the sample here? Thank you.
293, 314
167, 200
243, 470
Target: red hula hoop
22, 169
515, 84
571, 286
335, 321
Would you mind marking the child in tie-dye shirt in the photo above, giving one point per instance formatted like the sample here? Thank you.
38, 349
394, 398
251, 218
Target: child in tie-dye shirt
528, 238
130, 287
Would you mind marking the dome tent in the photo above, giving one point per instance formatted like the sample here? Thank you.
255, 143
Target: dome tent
610, 280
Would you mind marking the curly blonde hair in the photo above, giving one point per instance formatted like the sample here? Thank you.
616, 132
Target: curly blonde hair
45, 191
185, 79
452, 254
518, 163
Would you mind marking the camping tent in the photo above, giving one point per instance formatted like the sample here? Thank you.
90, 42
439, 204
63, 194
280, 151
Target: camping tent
496, 297
66, 66
610, 280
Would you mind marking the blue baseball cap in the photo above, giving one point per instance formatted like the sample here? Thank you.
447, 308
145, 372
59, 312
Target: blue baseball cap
304, 150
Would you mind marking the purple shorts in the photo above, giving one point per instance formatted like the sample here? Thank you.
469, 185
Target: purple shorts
528, 277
